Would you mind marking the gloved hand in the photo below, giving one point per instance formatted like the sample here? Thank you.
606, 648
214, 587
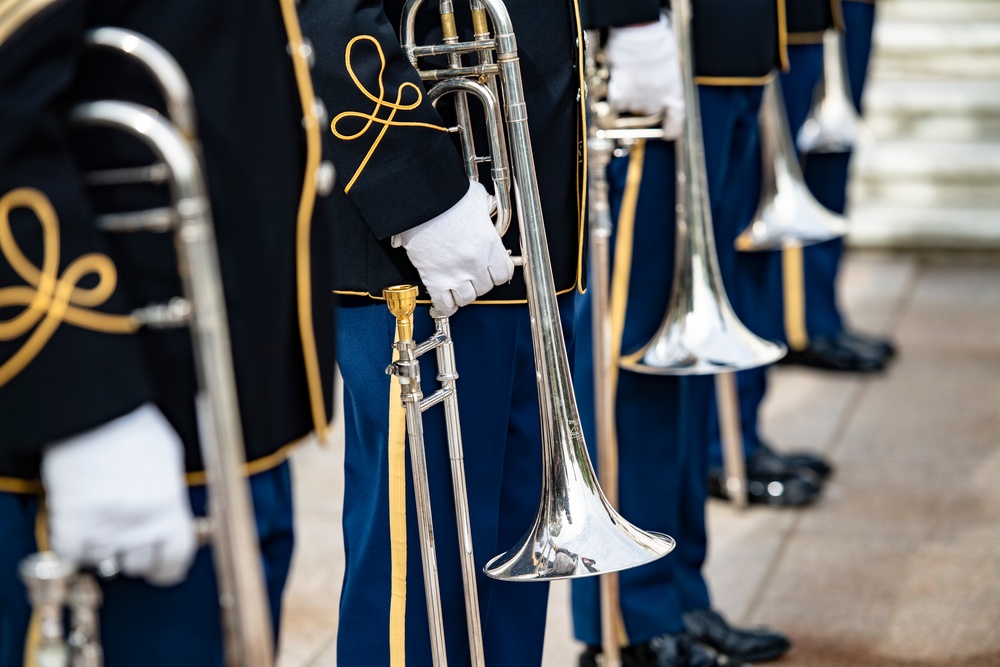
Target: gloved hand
118, 491
645, 75
458, 254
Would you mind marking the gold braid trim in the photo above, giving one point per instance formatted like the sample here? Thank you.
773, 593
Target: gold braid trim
303, 226
49, 299
380, 101
15, 13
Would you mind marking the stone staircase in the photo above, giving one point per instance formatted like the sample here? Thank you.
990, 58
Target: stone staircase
931, 175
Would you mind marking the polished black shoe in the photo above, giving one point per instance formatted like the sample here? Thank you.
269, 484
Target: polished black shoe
833, 354
739, 644
875, 346
786, 489
678, 650
766, 458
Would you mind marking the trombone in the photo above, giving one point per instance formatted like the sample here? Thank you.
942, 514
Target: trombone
700, 333
576, 531
833, 124
246, 619
788, 215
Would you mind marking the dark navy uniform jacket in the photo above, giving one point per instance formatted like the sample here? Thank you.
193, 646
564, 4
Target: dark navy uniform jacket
62, 372
736, 42
809, 19
395, 176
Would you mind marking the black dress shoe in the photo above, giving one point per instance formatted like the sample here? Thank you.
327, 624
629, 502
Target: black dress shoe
678, 650
832, 354
740, 644
786, 489
871, 345
766, 458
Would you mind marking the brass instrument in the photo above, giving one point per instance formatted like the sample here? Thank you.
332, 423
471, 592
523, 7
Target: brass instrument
833, 124
700, 333
576, 532
246, 618
788, 215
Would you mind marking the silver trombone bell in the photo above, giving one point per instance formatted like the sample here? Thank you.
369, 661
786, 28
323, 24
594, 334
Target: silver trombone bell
788, 214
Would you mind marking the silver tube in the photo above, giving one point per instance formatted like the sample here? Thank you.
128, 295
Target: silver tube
446, 376
245, 611
599, 152
733, 457
407, 370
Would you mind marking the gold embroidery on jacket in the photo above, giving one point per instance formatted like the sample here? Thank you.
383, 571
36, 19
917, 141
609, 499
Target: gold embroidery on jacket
380, 102
49, 299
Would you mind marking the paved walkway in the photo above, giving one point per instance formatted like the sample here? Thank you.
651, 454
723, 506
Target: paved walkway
898, 566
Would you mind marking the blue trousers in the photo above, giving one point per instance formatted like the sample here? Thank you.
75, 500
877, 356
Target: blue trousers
143, 624
826, 176
662, 422
500, 430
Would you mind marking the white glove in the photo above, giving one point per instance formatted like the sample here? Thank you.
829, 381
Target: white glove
645, 75
118, 491
458, 254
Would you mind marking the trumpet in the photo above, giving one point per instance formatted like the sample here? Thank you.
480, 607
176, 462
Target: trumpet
246, 618
576, 531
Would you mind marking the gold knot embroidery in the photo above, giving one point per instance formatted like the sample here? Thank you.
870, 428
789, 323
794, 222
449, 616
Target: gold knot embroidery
49, 299
380, 102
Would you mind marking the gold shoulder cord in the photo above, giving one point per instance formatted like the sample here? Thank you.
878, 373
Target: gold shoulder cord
380, 102
48, 299
624, 242
303, 261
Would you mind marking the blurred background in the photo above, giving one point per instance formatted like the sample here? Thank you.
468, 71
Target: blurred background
898, 565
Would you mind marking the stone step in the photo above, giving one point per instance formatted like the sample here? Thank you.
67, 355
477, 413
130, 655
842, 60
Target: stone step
934, 161
938, 10
935, 173
879, 225
934, 109
922, 49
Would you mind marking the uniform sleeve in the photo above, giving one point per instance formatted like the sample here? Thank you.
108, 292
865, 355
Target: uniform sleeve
595, 14
394, 159
69, 359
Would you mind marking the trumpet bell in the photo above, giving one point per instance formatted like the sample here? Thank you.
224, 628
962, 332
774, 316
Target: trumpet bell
788, 214
576, 533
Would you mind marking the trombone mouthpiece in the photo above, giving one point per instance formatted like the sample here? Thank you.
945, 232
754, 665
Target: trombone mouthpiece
401, 299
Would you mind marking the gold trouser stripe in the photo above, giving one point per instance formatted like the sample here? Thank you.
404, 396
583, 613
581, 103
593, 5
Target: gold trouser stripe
303, 227
397, 521
624, 242
793, 278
